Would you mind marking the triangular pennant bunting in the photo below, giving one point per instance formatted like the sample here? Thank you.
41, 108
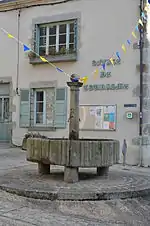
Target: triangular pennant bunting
112, 61
84, 79
124, 48
10, 36
26, 48
129, 42
58, 69
43, 59
96, 72
140, 22
146, 8
104, 66
118, 55
137, 28
133, 34
143, 16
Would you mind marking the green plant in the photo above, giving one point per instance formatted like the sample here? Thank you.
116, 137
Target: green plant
62, 50
52, 51
31, 55
34, 135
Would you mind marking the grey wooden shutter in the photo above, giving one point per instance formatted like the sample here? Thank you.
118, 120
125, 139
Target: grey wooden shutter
61, 108
24, 108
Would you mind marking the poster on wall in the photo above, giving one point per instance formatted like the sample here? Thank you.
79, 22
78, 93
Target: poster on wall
105, 117
98, 117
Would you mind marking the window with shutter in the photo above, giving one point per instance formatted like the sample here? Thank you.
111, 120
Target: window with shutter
61, 108
24, 108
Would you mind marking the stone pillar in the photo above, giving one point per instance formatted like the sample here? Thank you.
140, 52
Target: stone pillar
71, 173
43, 168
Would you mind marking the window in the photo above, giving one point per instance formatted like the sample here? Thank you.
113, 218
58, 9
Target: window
46, 107
55, 39
40, 107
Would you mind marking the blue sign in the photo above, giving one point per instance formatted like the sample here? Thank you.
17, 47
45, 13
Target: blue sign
130, 105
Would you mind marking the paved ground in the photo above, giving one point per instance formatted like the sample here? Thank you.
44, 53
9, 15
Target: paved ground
22, 178
20, 211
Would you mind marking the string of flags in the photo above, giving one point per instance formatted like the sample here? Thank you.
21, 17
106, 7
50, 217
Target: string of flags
124, 46
28, 49
103, 66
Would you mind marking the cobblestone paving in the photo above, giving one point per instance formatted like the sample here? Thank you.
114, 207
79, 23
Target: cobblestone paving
18, 174
19, 211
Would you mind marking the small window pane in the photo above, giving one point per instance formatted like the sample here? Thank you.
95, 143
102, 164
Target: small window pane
71, 47
72, 27
39, 118
42, 31
52, 30
42, 51
39, 96
52, 50
62, 39
52, 40
39, 107
71, 38
62, 28
42, 41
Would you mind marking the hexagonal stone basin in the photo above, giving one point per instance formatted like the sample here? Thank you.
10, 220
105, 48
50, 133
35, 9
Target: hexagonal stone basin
99, 153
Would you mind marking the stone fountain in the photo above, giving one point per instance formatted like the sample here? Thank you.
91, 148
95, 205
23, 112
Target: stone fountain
74, 152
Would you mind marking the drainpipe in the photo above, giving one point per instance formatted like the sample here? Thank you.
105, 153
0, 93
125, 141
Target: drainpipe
18, 52
141, 86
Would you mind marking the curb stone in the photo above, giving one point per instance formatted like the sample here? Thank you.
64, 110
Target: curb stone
84, 196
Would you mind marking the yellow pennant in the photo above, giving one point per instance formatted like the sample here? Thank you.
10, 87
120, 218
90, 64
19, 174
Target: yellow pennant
112, 61
96, 72
43, 59
146, 8
84, 79
124, 48
10, 36
140, 22
133, 34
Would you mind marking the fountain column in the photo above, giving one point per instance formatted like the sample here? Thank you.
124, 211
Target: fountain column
71, 173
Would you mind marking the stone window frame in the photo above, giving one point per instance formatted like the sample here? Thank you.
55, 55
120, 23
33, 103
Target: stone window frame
54, 19
57, 47
40, 86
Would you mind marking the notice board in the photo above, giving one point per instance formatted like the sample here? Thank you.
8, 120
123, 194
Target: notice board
98, 117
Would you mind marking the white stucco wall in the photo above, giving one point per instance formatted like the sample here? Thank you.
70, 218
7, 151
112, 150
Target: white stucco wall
103, 29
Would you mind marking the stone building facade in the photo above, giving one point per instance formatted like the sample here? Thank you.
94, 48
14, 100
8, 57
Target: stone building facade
78, 37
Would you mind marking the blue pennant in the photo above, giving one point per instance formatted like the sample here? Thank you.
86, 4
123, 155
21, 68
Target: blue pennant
137, 28
26, 48
75, 80
104, 66
128, 41
143, 15
58, 69
118, 55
